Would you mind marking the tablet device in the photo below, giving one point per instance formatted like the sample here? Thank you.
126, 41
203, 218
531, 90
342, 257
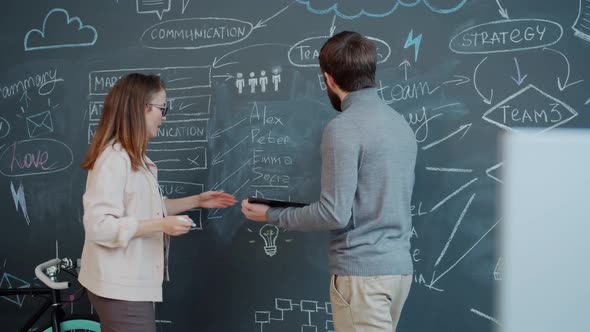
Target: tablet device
274, 202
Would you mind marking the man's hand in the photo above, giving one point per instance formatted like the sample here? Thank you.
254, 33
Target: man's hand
255, 212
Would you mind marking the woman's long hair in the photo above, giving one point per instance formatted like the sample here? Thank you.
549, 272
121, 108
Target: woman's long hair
123, 118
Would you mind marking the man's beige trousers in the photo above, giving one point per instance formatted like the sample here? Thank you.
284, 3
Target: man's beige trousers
368, 304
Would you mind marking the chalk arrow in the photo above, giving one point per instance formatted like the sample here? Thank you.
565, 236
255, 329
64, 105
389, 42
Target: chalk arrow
333, 27
262, 23
216, 61
217, 159
485, 100
218, 132
26, 97
406, 64
446, 169
435, 280
503, 11
213, 213
488, 317
463, 127
452, 236
227, 76
460, 80
453, 194
520, 78
217, 185
493, 168
184, 4
565, 85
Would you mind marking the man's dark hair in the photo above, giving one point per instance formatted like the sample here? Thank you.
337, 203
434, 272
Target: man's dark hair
351, 59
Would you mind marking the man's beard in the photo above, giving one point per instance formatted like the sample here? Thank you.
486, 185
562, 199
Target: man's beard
334, 99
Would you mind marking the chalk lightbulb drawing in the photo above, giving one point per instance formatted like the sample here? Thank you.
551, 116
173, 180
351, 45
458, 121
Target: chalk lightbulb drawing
269, 234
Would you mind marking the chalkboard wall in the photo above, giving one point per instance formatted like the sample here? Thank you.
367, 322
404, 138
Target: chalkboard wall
248, 109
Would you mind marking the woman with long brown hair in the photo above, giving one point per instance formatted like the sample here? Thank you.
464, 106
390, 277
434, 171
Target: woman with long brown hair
127, 222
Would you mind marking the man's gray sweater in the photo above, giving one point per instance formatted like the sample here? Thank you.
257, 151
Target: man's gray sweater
368, 159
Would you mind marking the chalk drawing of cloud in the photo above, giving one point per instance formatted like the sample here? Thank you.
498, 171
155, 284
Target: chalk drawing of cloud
351, 9
58, 31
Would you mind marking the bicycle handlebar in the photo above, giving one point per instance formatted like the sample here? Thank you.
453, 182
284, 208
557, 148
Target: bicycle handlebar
39, 272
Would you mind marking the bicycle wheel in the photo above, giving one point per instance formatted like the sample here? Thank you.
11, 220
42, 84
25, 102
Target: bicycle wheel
77, 323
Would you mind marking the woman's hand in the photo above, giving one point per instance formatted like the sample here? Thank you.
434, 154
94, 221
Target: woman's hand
215, 200
176, 225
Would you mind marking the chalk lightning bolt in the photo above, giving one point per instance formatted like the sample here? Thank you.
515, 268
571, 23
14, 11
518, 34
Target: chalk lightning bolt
411, 41
19, 199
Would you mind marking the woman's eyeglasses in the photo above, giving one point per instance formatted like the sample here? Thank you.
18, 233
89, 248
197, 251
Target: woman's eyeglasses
163, 108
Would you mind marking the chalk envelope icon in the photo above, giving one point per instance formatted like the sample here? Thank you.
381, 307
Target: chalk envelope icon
39, 124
